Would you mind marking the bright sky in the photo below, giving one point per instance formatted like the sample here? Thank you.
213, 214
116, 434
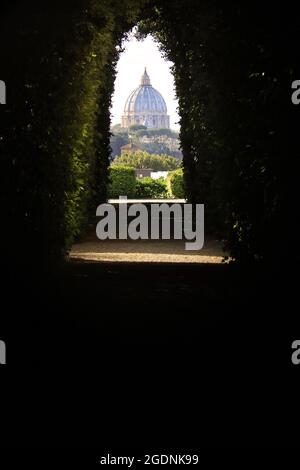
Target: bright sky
130, 68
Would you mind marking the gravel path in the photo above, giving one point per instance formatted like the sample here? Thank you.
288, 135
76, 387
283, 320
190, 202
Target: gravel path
145, 251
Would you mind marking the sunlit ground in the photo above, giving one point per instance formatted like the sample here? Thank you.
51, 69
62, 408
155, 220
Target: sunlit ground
145, 251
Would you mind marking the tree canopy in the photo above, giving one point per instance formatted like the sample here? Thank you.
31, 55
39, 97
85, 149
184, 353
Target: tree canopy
147, 160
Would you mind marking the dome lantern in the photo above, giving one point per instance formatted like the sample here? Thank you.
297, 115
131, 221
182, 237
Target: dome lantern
145, 79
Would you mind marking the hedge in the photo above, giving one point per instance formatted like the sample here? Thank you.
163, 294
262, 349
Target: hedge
55, 128
175, 184
150, 188
122, 182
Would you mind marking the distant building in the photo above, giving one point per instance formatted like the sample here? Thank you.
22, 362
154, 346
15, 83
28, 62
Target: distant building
148, 172
146, 106
129, 148
159, 174
143, 172
172, 143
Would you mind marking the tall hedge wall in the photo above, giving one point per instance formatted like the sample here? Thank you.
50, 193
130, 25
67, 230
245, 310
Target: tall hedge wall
59, 68
234, 65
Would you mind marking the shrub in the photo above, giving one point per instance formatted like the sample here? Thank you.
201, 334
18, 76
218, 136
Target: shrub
122, 181
149, 188
175, 184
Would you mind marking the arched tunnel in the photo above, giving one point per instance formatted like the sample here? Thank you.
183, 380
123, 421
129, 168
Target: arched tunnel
234, 65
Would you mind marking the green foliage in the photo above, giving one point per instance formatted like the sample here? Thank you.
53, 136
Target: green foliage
117, 141
120, 137
150, 188
176, 184
137, 127
55, 134
157, 133
146, 160
230, 78
122, 182
159, 148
